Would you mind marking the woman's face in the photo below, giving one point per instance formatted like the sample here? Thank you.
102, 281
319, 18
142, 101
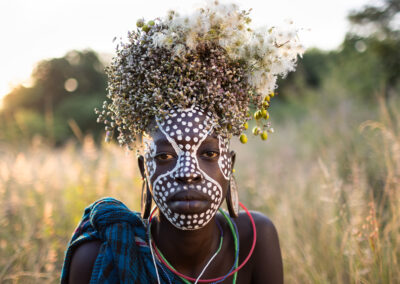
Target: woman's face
188, 168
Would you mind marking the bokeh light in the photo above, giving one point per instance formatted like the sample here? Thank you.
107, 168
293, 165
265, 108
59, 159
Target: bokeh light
71, 85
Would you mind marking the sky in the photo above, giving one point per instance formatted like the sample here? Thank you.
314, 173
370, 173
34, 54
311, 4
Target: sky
32, 30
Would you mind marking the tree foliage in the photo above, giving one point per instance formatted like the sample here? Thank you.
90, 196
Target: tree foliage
63, 89
378, 19
379, 27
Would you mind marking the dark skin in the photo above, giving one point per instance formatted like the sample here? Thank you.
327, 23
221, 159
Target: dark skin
188, 251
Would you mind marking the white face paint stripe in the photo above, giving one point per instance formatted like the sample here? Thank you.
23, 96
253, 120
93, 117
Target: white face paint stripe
207, 177
170, 140
177, 151
152, 149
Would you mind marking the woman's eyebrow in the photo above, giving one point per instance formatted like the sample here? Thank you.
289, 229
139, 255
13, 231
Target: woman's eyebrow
162, 142
210, 141
212, 138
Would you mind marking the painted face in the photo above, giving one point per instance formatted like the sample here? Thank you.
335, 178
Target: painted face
188, 168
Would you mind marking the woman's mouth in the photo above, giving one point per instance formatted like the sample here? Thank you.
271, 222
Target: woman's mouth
188, 202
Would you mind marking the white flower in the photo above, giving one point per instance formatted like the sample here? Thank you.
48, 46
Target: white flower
268, 51
159, 39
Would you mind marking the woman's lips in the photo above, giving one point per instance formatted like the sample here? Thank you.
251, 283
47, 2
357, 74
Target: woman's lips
188, 202
189, 206
188, 195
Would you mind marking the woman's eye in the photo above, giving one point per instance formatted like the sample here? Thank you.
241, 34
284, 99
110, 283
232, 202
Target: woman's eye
210, 154
164, 157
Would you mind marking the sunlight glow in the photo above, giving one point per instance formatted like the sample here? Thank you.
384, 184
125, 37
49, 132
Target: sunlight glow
4, 90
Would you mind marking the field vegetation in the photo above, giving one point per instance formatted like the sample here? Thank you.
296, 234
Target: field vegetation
329, 177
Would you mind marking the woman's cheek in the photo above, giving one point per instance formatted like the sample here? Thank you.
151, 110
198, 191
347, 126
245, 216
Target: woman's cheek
164, 166
212, 168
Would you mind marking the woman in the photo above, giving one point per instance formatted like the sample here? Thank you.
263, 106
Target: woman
185, 85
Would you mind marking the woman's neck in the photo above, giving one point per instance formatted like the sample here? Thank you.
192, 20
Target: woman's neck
187, 250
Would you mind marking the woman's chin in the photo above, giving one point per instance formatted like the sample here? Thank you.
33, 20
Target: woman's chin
189, 206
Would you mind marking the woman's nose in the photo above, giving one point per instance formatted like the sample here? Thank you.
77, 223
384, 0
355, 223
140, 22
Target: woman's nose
188, 177
187, 171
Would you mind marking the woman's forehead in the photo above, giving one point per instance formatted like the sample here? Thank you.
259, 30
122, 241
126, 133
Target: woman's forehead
181, 127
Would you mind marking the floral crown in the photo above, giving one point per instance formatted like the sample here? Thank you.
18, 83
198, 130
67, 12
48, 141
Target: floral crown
211, 59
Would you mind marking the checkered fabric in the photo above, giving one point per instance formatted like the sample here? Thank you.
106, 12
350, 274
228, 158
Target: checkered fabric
124, 256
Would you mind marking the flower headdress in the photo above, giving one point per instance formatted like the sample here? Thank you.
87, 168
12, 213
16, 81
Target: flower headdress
211, 59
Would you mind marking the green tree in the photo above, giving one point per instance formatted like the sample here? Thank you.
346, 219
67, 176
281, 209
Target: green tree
64, 89
378, 20
310, 73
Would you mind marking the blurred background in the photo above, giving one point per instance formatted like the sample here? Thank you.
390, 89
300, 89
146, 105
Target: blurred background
329, 177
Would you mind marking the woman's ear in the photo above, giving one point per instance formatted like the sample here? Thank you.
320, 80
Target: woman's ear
233, 159
141, 166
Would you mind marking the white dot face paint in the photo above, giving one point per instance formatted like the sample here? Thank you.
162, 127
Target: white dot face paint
224, 160
193, 127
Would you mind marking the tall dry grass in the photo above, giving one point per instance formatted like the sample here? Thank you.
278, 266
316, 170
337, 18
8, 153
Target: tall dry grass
329, 181
335, 197
42, 194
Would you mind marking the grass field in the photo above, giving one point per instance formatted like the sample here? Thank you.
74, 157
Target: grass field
329, 178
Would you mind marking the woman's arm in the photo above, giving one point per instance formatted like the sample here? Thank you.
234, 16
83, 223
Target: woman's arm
82, 262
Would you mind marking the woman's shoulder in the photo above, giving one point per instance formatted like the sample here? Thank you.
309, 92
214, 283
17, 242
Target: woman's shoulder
266, 259
104, 221
265, 228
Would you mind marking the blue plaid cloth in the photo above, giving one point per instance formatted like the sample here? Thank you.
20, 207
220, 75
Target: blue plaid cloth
124, 255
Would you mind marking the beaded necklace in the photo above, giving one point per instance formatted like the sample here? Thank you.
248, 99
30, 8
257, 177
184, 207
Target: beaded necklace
161, 256
219, 279
235, 234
